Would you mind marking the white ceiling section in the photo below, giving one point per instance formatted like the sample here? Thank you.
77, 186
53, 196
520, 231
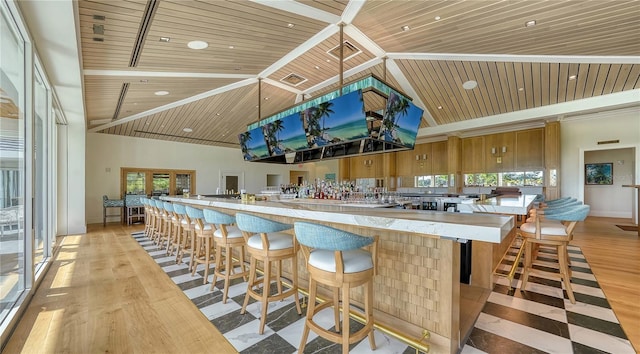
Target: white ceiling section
425, 48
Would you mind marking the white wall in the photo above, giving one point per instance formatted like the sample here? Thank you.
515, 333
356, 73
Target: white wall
623, 166
581, 134
104, 151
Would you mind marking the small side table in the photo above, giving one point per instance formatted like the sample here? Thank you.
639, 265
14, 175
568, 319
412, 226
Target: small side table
637, 187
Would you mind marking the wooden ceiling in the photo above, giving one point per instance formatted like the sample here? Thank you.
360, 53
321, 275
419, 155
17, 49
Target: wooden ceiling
133, 49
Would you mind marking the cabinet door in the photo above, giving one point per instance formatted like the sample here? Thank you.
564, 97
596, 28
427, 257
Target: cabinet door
439, 158
530, 149
367, 166
473, 155
499, 152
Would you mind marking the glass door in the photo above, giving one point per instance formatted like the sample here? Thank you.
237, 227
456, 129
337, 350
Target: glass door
40, 152
183, 182
135, 183
12, 167
161, 183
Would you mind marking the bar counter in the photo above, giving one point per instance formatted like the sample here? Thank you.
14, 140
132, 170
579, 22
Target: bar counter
417, 287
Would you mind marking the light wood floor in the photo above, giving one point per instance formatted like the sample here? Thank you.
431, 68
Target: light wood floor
104, 294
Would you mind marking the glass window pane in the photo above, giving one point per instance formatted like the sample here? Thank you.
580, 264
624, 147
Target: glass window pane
183, 181
135, 183
424, 181
12, 167
160, 184
533, 178
513, 179
441, 181
40, 145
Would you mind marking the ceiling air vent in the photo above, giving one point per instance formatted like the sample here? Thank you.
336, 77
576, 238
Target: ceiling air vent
98, 39
99, 17
98, 29
293, 79
350, 51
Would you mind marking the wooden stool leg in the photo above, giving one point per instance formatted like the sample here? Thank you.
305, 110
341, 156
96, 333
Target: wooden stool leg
564, 272
527, 262
218, 270
243, 267
368, 311
336, 307
345, 319
311, 308
265, 295
227, 271
279, 276
294, 271
252, 277
207, 255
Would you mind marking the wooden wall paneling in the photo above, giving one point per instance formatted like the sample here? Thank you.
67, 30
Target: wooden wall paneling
552, 140
454, 163
344, 169
473, 154
499, 161
440, 157
529, 152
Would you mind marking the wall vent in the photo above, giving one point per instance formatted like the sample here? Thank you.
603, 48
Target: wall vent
99, 17
98, 29
98, 39
608, 142
350, 51
293, 79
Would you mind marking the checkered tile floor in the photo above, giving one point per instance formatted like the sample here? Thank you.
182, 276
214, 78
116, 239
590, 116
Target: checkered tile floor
538, 320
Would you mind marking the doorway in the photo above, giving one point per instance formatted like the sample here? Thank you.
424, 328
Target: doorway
231, 182
298, 177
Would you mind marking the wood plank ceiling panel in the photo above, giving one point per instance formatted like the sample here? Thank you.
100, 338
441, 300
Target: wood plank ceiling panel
243, 37
335, 7
317, 65
103, 93
215, 120
488, 27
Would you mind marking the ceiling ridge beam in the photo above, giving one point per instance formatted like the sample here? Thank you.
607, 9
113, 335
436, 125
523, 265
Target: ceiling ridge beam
281, 85
357, 35
334, 79
581, 106
569, 59
351, 10
316, 39
300, 9
129, 73
405, 85
175, 104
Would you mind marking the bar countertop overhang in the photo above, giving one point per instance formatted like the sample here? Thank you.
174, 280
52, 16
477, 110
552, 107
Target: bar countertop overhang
464, 226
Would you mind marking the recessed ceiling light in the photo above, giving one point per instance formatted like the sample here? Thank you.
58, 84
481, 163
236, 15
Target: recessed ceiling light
144, 81
187, 130
530, 23
328, 60
405, 28
437, 18
217, 114
197, 44
165, 39
439, 107
231, 47
573, 77
266, 98
161, 93
291, 25
521, 89
147, 123
469, 85
317, 67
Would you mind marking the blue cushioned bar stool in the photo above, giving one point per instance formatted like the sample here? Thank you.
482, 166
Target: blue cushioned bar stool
167, 226
180, 212
111, 203
201, 242
335, 258
227, 236
554, 230
147, 215
266, 242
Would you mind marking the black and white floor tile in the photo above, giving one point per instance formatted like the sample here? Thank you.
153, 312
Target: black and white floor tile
538, 320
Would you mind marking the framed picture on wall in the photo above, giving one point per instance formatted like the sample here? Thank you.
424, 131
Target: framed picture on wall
598, 173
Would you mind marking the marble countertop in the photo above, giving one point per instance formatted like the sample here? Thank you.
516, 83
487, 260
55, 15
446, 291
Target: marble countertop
519, 205
481, 227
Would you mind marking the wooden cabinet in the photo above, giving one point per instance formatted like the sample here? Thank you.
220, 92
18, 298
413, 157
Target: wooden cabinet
404, 163
529, 150
366, 166
422, 160
499, 152
473, 155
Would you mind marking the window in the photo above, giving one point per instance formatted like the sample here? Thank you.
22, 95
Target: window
528, 178
155, 182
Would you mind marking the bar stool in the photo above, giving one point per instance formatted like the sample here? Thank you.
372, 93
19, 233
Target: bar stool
226, 236
201, 242
185, 237
156, 218
147, 215
335, 259
552, 230
167, 226
111, 203
179, 211
267, 243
